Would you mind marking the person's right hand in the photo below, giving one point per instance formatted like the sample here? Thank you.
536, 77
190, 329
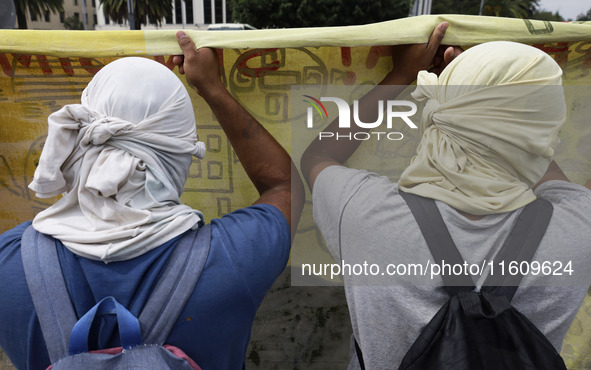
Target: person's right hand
409, 59
200, 66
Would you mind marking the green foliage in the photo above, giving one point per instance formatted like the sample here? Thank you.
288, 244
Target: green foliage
510, 8
316, 13
545, 15
145, 11
73, 23
36, 8
584, 17
496, 8
266, 14
471, 7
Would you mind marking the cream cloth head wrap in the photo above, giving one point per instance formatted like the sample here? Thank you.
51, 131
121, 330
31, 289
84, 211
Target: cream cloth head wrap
122, 158
490, 125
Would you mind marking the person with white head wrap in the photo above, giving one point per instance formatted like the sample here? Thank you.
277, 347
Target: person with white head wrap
121, 158
490, 126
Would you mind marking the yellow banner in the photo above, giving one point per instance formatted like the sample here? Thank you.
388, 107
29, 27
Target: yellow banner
41, 71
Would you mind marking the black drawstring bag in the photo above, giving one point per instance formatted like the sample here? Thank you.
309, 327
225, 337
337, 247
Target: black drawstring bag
480, 330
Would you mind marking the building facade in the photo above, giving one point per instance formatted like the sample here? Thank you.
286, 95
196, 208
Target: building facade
194, 14
84, 10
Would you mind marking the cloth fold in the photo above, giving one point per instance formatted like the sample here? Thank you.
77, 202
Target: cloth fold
489, 128
121, 158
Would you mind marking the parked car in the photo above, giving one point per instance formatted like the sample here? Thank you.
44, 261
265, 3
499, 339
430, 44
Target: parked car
230, 27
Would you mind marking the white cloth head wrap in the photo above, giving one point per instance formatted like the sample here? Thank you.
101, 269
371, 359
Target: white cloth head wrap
122, 158
490, 125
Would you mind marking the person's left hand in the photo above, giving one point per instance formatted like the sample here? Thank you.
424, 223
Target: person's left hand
445, 54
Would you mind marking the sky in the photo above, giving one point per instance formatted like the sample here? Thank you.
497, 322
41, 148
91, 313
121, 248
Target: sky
566, 8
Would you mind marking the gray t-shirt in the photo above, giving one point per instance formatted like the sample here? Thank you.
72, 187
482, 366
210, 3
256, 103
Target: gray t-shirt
364, 219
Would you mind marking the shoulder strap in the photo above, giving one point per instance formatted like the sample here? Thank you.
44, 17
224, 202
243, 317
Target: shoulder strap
359, 354
48, 291
440, 244
52, 301
175, 286
438, 240
521, 246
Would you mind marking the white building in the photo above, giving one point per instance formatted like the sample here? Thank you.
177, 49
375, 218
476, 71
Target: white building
420, 7
84, 10
195, 14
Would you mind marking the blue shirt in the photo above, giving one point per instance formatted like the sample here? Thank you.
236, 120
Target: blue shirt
249, 249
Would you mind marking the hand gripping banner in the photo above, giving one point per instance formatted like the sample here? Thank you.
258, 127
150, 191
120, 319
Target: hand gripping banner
41, 71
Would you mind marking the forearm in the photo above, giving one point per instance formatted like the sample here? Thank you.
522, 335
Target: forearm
408, 60
331, 150
266, 163
262, 157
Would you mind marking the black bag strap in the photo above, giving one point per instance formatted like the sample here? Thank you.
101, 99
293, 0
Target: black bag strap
359, 354
52, 301
440, 243
521, 244
439, 240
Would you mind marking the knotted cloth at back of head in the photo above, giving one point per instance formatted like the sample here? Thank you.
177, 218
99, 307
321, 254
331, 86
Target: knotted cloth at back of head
121, 158
489, 128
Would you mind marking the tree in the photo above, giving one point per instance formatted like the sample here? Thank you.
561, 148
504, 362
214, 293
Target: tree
496, 8
73, 23
470, 7
36, 8
545, 15
316, 13
510, 8
266, 13
584, 17
144, 11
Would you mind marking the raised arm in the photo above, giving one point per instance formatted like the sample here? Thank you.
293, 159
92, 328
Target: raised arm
408, 61
267, 164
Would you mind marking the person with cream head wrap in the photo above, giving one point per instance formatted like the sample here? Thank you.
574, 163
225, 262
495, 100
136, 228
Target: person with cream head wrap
489, 128
121, 158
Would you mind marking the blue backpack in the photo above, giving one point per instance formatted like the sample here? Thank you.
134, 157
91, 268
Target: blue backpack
142, 338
